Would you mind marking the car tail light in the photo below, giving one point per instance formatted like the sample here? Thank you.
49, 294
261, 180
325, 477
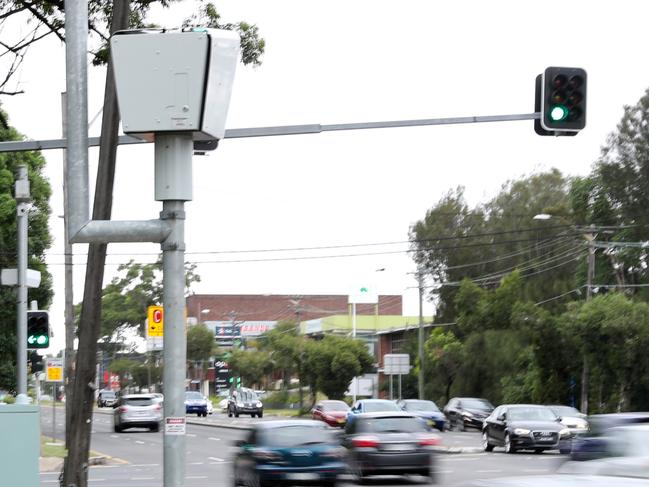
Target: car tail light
429, 440
365, 442
123, 409
158, 407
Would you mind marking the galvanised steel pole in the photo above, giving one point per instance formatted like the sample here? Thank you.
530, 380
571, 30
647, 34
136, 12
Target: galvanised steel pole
22, 211
173, 159
420, 338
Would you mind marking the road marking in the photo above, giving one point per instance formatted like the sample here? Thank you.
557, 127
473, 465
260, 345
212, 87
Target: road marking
214, 439
488, 471
191, 435
196, 463
114, 436
196, 477
139, 442
216, 459
96, 480
535, 470
142, 478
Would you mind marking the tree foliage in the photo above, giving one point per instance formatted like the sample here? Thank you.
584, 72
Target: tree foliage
39, 241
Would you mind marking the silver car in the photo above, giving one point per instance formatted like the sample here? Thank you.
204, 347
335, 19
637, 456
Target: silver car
137, 411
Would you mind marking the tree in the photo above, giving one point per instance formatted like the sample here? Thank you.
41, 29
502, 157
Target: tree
200, 343
123, 367
39, 242
444, 354
251, 365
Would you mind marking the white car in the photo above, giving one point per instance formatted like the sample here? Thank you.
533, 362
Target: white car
223, 404
571, 418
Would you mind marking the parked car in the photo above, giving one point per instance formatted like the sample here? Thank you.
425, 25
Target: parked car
195, 402
595, 444
289, 452
390, 443
525, 427
427, 410
371, 406
106, 398
245, 401
571, 418
137, 411
334, 413
463, 412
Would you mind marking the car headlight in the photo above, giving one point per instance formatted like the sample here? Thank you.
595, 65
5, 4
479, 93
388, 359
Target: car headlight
564, 432
521, 431
258, 404
467, 414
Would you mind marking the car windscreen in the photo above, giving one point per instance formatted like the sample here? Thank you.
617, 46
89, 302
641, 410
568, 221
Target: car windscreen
531, 414
194, 396
565, 411
476, 404
334, 406
108, 395
138, 401
378, 406
392, 425
421, 406
297, 435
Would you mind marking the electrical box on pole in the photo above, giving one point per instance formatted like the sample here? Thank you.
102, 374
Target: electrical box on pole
561, 100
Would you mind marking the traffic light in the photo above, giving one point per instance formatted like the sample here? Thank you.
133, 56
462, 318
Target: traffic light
35, 362
38, 329
561, 99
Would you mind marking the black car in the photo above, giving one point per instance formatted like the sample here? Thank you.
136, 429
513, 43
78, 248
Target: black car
390, 443
289, 452
525, 427
106, 398
463, 412
245, 401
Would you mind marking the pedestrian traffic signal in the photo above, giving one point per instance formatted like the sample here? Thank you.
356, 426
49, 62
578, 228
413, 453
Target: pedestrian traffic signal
561, 99
38, 329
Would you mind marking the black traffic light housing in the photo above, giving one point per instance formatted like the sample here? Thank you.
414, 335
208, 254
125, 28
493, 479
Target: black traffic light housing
38, 329
561, 101
35, 362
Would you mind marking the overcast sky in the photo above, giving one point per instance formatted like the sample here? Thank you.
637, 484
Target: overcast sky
342, 61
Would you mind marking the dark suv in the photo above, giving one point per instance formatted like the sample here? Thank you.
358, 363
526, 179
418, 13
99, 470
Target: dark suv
245, 401
106, 398
463, 412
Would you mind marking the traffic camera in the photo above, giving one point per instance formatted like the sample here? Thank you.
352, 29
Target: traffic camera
562, 100
38, 329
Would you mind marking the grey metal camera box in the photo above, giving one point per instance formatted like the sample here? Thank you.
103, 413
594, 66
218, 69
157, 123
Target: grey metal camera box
174, 81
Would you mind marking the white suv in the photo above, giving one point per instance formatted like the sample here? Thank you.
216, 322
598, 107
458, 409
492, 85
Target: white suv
137, 411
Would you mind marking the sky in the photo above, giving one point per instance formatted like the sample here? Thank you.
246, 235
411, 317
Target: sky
362, 61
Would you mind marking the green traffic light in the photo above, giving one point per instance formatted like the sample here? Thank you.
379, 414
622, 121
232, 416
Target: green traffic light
41, 340
558, 113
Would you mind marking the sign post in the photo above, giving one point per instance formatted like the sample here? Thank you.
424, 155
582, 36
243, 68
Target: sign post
54, 374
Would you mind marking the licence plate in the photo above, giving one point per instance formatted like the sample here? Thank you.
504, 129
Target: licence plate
546, 438
399, 447
341, 420
302, 476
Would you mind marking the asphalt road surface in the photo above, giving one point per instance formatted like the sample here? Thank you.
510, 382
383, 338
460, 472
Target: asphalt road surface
136, 456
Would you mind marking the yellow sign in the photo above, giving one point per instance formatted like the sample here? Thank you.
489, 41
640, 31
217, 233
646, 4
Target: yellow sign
156, 321
54, 370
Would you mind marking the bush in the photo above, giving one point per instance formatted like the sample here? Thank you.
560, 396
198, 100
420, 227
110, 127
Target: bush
281, 400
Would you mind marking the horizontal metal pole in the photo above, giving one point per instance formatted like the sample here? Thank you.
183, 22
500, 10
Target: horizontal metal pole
110, 231
30, 145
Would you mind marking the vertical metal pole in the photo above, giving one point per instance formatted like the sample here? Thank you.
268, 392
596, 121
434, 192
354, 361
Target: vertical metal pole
391, 387
585, 370
22, 210
399, 386
173, 153
420, 278
355, 383
53, 411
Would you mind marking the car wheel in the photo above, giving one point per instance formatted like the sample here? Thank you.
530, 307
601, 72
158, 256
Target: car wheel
118, 428
538, 450
486, 446
509, 448
260, 414
229, 413
155, 428
236, 413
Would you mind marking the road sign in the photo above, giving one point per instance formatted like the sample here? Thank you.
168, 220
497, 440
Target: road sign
155, 321
54, 370
396, 364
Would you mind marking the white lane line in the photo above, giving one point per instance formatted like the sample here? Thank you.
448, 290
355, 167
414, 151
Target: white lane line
217, 459
214, 439
535, 470
191, 435
114, 436
96, 480
142, 478
196, 477
140, 442
196, 463
488, 471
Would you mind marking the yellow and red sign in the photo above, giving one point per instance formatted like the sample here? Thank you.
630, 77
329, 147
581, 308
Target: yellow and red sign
155, 321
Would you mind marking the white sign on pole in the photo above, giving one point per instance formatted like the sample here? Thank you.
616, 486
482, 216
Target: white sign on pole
9, 277
396, 364
175, 426
363, 295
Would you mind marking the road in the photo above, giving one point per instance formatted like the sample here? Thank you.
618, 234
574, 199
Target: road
136, 456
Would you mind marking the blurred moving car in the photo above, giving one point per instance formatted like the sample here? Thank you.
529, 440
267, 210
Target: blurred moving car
106, 398
245, 401
595, 444
463, 412
371, 406
290, 452
195, 402
427, 410
334, 413
525, 427
137, 411
571, 418
390, 443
